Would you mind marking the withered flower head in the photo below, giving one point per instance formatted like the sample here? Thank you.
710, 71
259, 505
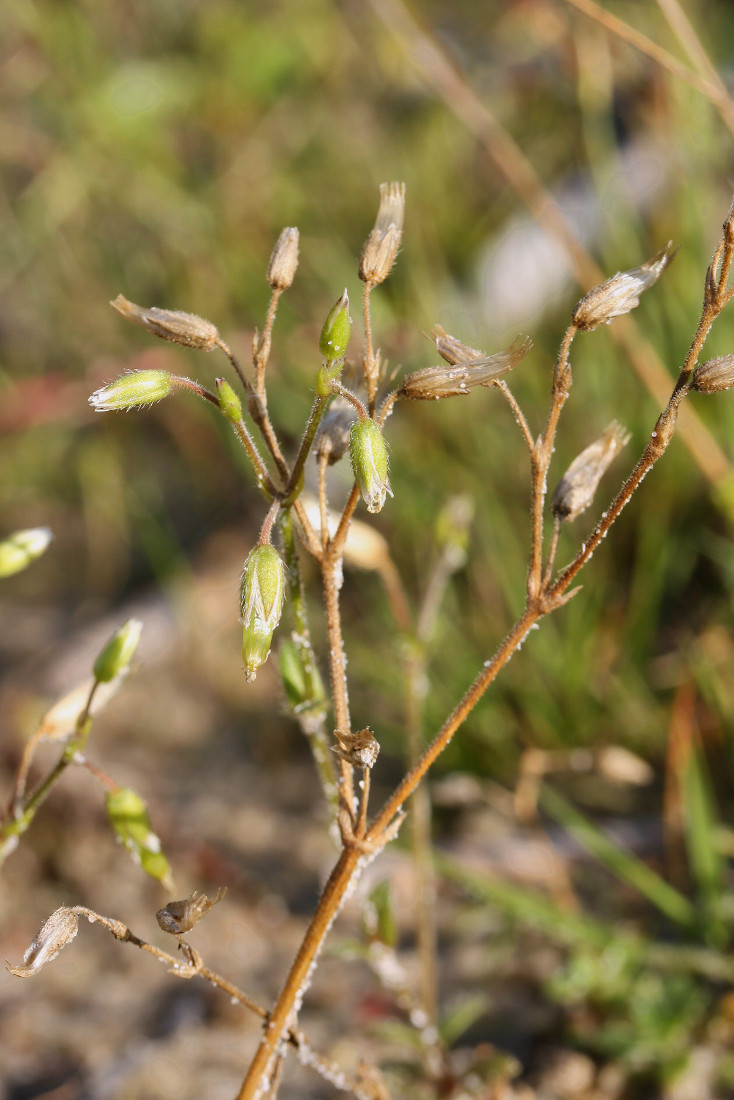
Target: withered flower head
714, 375
179, 917
461, 375
621, 293
60, 929
359, 749
284, 259
575, 491
170, 324
382, 245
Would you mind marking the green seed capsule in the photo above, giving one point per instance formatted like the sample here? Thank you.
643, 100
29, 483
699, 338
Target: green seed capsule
262, 590
368, 453
17, 551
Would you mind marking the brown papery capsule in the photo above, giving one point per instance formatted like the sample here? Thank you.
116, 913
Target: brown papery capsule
284, 259
170, 324
451, 349
714, 375
59, 930
621, 293
359, 749
434, 383
179, 917
575, 491
383, 243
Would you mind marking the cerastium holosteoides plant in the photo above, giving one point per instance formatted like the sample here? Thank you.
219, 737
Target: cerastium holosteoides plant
342, 420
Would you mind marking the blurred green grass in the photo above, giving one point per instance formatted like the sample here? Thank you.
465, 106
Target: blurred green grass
158, 149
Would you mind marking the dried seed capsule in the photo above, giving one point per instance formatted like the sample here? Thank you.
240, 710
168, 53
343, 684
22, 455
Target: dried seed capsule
116, 656
337, 329
451, 349
714, 375
229, 402
284, 260
179, 917
132, 390
456, 380
359, 749
368, 453
170, 324
575, 491
382, 245
18, 550
621, 293
59, 930
262, 590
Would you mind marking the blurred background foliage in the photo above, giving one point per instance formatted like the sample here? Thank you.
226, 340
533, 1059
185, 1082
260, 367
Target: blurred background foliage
157, 149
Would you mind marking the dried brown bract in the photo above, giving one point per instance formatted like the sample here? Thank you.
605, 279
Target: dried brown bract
179, 917
575, 491
360, 749
382, 245
621, 293
170, 324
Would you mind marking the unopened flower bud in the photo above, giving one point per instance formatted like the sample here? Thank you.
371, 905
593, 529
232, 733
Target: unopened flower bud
336, 331
714, 375
284, 260
456, 380
59, 930
18, 550
170, 324
132, 390
575, 491
359, 749
128, 815
382, 245
262, 589
303, 685
116, 656
621, 293
179, 917
332, 436
229, 402
368, 453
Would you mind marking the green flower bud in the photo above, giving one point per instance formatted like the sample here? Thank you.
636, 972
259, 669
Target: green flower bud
140, 387
336, 331
368, 453
118, 653
20, 549
128, 816
301, 680
229, 402
262, 589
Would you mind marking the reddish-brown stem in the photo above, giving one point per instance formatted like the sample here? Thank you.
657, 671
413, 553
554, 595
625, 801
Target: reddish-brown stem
541, 457
339, 880
370, 367
262, 353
